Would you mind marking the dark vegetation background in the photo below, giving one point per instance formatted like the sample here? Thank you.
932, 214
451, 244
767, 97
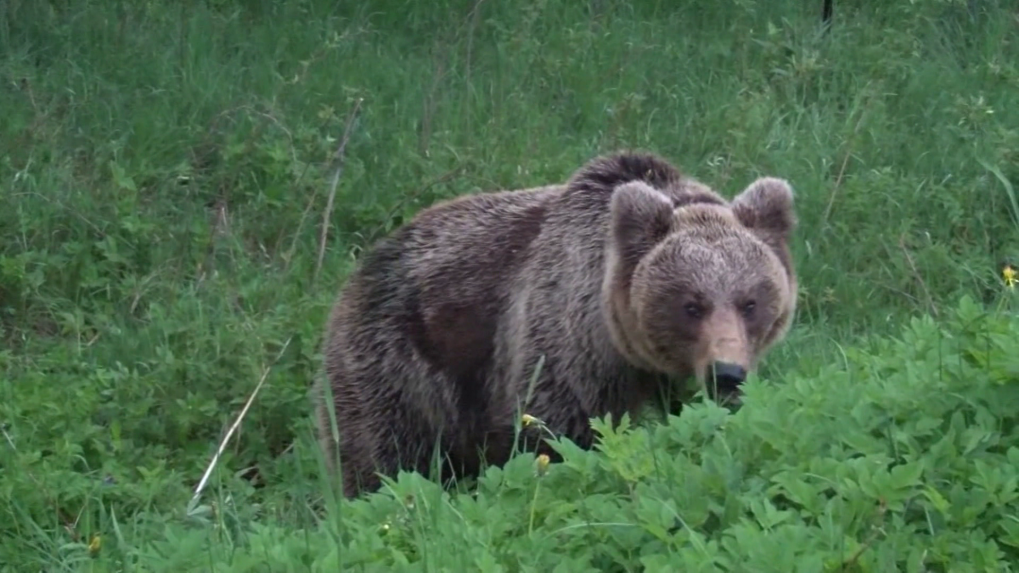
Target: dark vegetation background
166, 169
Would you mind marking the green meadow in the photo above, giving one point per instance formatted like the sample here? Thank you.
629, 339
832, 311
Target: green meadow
184, 187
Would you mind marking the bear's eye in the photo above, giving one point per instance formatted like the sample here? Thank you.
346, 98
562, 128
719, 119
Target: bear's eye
693, 309
748, 308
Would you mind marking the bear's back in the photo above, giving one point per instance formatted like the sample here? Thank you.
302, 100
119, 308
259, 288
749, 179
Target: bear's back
442, 281
455, 252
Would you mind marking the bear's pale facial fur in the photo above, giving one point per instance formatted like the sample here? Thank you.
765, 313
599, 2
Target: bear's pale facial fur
702, 284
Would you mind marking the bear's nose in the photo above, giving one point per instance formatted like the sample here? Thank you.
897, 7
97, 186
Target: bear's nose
728, 376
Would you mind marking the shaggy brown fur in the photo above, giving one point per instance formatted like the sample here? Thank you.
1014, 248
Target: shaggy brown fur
626, 272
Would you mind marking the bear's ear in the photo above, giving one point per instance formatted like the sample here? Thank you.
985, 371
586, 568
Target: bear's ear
641, 216
766, 207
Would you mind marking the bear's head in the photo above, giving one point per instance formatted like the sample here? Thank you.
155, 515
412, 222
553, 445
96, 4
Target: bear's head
702, 289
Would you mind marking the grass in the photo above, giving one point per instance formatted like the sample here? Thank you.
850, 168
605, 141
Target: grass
165, 169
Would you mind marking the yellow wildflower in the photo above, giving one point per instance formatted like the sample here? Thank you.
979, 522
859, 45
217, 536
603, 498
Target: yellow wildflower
1010, 275
542, 464
95, 544
527, 420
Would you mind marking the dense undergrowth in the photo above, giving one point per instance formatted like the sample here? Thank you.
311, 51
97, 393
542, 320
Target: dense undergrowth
902, 457
166, 168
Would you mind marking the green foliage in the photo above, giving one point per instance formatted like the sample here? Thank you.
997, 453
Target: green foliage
165, 171
902, 458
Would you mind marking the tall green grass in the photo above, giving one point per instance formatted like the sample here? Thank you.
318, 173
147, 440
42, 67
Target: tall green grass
165, 170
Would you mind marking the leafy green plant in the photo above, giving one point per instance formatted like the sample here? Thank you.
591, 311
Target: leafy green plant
902, 458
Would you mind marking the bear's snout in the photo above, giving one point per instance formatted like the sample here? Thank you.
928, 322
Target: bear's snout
727, 377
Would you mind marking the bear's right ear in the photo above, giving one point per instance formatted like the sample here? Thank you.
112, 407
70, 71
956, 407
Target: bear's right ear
641, 216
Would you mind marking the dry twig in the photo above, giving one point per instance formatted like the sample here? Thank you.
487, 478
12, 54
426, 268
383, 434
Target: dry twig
339, 159
236, 424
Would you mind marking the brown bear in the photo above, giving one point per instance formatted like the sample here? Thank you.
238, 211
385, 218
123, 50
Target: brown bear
626, 273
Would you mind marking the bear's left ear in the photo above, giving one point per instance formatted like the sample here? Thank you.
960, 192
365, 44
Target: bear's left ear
766, 207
